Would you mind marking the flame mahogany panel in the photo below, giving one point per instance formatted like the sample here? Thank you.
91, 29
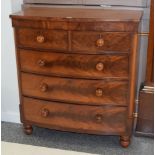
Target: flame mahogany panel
75, 65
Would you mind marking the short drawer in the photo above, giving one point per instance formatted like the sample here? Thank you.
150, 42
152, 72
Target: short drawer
92, 92
42, 39
82, 118
75, 65
97, 42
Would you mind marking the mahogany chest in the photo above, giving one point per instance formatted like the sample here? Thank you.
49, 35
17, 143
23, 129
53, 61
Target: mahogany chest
77, 69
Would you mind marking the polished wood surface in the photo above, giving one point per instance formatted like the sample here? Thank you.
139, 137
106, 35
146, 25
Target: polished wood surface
132, 76
61, 40
98, 41
150, 51
78, 19
75, 65
42, 39
78, 14
77, 69
77, 25
75, 90
109, 120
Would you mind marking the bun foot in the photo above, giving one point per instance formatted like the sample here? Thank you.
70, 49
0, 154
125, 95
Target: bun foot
124, 141
28, 129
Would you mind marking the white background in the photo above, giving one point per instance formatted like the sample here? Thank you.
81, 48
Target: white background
10, 98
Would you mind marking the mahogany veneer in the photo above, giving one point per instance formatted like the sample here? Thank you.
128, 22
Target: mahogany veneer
77, 69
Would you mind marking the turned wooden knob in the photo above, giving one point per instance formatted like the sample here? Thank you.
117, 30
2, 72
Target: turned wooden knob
45, 113
99, 118
100, 66
41, 63
100, 42
40, 39
44, 87
99, 92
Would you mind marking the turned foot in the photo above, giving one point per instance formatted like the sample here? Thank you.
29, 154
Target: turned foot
124, 141
28, 129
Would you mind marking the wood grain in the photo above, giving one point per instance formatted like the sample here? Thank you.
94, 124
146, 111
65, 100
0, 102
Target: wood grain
75, 90
74, 65
78, 14
86, 41
52, 39
91, 25
76, 117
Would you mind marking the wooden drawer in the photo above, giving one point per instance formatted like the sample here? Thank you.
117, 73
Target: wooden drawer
75, 65
96, 42
82, 118
93, 92
42, 39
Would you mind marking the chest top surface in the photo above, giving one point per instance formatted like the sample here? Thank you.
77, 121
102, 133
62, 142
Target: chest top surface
81, 14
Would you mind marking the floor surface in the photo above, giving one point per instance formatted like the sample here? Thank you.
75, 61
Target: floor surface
102, 145
22, 149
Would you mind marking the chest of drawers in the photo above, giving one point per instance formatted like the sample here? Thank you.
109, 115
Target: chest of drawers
77, 69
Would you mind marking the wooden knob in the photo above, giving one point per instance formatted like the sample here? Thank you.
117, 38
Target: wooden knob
99, 92
45, 113
99, 118
44, 87
40, 39
100, 66
100, 42
41, 63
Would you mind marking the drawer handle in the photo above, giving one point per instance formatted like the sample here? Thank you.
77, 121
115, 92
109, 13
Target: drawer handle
99, 118
99, 92
41, 63
45, 113
100, 42
40, 39
100, 66
44, 87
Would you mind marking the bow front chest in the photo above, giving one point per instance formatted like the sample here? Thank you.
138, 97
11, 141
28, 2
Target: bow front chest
77, 69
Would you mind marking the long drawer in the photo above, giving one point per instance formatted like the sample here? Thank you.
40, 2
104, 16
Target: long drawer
73, 117
75, 65
91, 92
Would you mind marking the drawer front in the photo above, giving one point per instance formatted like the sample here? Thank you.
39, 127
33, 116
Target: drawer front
96, 42
93, 92
82, 118
75, 65
42, 39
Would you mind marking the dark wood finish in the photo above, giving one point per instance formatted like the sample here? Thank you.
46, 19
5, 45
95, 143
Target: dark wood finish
124, 141
75, 90
150, 51
115, 26
75, 65
27, 129
99, 41
109, 120
78, 14
42, 39
91, 19
84, 63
